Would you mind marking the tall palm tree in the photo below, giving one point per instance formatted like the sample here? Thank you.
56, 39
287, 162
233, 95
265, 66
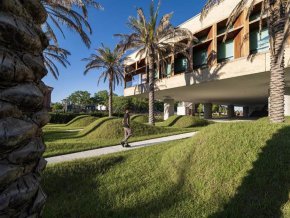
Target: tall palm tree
154, 42
278, 15
111, 64
22, 94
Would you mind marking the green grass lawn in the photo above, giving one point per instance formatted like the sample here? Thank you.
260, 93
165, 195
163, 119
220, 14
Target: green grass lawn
226, 170
102, 132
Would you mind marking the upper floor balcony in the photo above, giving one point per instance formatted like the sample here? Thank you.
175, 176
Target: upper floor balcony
245, 51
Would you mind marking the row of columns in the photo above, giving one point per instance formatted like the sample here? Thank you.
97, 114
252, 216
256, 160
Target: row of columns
230, 111
169, 110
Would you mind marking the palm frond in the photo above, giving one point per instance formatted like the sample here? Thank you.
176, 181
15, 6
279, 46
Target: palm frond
61, 11
52, 55
208, 6
109, 61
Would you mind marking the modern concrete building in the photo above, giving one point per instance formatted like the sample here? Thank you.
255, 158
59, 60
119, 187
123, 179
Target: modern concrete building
234, 73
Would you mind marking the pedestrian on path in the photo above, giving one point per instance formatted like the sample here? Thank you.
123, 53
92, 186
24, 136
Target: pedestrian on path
127, 129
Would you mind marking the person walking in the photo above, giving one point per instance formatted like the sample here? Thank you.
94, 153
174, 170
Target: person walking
127, 129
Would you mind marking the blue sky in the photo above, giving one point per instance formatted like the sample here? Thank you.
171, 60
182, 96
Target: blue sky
105, 23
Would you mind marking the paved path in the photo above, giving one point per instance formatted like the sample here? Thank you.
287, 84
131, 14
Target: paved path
117, 148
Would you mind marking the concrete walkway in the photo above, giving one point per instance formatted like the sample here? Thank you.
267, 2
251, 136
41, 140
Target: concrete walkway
117, 148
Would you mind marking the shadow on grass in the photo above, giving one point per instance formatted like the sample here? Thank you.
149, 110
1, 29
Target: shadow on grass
265, 190
162, 202
76, 188
70, 186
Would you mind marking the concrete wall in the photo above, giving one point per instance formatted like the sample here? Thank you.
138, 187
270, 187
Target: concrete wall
168, 108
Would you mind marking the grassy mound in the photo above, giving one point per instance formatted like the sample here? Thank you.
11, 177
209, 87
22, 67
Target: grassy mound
94, 125
81, 121
170, 121
190, 121
140, 118
114, 129
226, 170
76, 119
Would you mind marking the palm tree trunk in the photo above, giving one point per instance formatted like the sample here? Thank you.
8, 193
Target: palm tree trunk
277, 81
21, 107
110, 96
151, 88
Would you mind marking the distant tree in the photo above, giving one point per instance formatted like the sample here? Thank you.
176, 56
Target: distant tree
120, 103
200, 108
80, 98
140, 105
215, 108
102, 97
57, 107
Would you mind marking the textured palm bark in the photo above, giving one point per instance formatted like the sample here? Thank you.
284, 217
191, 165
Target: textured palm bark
277, 81
111, 96
151, 89
21, 107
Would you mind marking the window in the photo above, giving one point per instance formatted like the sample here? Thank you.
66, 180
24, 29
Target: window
200, 57
136, 80
168, 70
128, 84
180, 64
259, 42
226, 50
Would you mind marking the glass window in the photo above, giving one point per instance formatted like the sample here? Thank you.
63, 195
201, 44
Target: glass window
136, 80
200, 57
168, 70
180, 64
128, 84
226, 50
259, 41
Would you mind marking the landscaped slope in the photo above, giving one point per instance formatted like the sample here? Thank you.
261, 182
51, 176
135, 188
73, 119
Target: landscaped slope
94, 125
103, 132
190, 121
114, 129
227, 170
81, 121
170, 121
140, 118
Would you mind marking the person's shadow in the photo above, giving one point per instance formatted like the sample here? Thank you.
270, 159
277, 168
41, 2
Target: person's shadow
266, 188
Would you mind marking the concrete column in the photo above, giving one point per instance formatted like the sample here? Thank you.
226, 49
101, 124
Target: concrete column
246, 111
168, 108
231, 111
207, 111
287, 102
181, 108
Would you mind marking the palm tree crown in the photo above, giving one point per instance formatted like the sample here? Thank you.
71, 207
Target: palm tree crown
110, 62
154, 41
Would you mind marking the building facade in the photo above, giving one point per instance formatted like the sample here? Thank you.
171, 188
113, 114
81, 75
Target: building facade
233, 72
